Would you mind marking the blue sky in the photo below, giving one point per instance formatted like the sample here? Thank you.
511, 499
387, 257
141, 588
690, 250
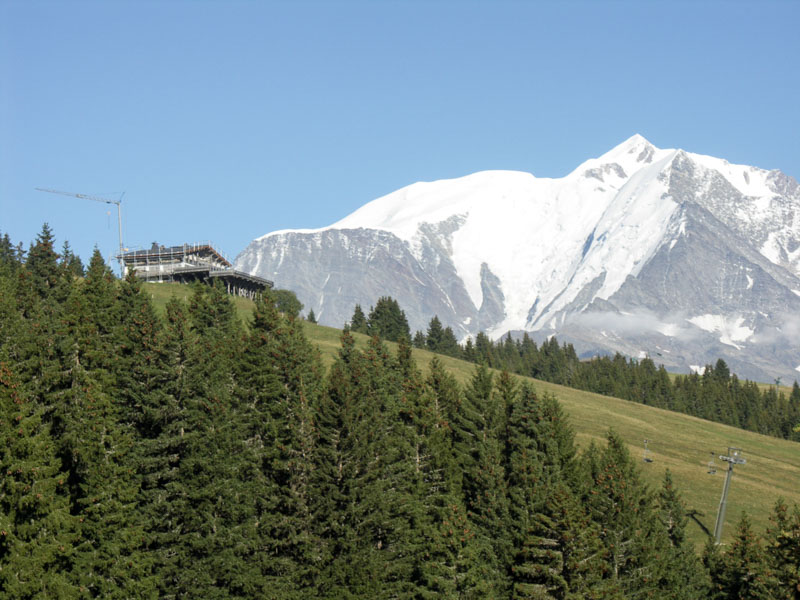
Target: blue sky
224, 121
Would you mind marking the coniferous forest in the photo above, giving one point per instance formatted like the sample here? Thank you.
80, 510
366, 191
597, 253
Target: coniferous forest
717, 395
191, 455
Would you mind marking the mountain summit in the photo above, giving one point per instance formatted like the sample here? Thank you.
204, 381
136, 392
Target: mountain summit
644, 251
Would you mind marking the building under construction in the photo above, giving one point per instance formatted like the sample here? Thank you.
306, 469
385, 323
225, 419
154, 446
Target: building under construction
188, 263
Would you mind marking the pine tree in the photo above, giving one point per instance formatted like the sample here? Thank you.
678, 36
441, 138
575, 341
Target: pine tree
560, 555
435, 334
459, 564
449, 344
311, 317
557, 550
166, 416
8, 255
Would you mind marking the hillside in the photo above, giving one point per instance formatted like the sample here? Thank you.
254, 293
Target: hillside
678, 442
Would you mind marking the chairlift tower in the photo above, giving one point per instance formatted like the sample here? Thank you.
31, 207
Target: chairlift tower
733, 458
106, 201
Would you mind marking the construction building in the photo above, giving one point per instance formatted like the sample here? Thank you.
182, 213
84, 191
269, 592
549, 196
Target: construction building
188, 263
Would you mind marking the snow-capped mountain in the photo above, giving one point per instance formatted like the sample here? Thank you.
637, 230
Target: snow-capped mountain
642, 250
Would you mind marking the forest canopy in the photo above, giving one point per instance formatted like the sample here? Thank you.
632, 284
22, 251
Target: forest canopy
188, 455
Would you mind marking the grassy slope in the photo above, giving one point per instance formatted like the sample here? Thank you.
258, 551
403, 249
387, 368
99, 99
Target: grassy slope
678, 442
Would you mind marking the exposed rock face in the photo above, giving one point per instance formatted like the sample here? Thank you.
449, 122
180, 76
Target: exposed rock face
333, 270
683, 257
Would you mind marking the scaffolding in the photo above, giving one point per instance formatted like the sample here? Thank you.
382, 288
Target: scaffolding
191, 262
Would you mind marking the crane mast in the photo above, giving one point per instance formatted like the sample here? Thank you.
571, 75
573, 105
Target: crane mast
106, 201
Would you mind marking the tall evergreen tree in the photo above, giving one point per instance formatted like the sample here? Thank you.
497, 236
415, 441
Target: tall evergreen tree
557, 549
477, 426
624, 507
742, 571
280, 378
683, 577
347, 472
783, 550
37, 532
358, 322
166, 417
42, 265
435, 334
388, 321
205, 517
419, 340
71, 262
94, 443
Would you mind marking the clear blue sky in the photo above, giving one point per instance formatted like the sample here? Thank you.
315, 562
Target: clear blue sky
224, 121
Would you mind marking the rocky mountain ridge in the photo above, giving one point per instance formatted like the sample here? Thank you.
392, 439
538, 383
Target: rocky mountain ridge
644, 251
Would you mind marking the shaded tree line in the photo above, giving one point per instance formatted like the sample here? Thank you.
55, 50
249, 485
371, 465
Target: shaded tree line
716, 395
188, 455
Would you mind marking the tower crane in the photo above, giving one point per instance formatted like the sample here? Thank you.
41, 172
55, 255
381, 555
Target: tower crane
106, 201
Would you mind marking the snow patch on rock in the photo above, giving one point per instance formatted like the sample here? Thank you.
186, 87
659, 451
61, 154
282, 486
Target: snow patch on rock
731, 329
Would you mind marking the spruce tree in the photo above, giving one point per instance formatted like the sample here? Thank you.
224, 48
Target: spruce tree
449, 345
556, 548
782, 545
435, 335
477, 427
37, 532
42, 266
388, 321
71, 262
419, 340
279, 379
743, 571
460, 561
201, 518
683, 577
95, 444
165, 418
349, 418
8, 254
358, 322
624, 507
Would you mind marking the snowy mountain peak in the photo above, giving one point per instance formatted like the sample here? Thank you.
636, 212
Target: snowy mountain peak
636, 149
660, 233
628, 157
